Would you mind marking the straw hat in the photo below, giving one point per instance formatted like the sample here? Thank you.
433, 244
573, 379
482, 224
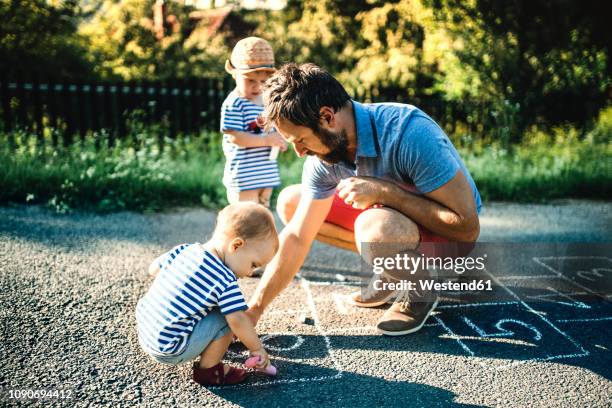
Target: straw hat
251, 54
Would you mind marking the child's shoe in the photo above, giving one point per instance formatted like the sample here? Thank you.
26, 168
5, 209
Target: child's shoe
216, 375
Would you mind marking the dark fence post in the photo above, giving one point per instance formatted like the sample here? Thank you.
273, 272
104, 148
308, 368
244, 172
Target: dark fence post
6, 104
208, 92
123, 94
96, 110
6, 108
86, 108
113, 113
81, 108
188, 105
105, 122
68, 130
20, 98
38, 111
196, 103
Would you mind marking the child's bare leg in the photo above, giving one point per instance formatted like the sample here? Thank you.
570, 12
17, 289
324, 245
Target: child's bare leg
244, 195
212, 355
264, 196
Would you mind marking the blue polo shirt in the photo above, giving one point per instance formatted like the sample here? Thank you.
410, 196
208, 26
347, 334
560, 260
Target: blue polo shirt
395, 142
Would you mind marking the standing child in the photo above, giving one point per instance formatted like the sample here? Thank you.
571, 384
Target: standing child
251, 170
195, 304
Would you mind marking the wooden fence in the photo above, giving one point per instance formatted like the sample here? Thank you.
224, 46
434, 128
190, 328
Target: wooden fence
76, 108
187, 106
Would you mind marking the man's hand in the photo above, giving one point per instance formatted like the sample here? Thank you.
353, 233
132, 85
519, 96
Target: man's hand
361, 192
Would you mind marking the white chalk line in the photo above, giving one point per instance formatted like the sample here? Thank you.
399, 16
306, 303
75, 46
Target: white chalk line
575, 257
459, 305
594, 319
520, 277
557, 294
454, 336
366, 329
567, 295
298, 342
330, 283
562, 276
340, 301
315, 315
306, 285
459, 339
313, 308
489, 339
324, 267
583, 353
283, 312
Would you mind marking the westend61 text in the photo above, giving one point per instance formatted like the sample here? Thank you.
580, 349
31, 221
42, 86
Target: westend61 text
433, 285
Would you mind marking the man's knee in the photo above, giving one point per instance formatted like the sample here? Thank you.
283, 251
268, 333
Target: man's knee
381, 232
287, 202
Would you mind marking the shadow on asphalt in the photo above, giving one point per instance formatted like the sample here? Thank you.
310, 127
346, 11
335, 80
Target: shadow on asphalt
348, 390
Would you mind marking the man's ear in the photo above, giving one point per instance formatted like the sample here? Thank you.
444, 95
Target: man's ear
236, 243
327, 117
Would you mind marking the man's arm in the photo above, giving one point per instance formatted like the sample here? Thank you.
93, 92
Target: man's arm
450, 210
295, 242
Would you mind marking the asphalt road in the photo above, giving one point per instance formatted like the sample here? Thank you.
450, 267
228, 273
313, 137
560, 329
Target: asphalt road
69, 286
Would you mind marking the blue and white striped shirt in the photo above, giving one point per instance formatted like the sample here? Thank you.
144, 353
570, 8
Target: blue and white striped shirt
246, 168
191, 282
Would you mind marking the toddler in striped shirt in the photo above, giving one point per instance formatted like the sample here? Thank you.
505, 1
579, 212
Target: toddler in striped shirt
251, 169
194, 306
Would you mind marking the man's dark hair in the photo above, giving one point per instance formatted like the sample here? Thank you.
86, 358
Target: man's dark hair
297, 92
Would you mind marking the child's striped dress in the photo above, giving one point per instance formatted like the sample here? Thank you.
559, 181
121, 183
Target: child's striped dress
246, 168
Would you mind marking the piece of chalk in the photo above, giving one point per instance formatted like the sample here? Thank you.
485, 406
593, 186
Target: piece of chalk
274, 153
251, 362
340, 277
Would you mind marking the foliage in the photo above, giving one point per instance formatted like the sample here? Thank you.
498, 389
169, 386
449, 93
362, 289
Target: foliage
39, 38
375, 48
550, 59
124, 45
542, 64
134, 174
137, 174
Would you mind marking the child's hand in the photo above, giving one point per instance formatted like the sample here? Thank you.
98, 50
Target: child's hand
264, 359
274, 139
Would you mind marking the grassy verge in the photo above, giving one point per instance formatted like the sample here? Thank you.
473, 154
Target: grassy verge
137, 174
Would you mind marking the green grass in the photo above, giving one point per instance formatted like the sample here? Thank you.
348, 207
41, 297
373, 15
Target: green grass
543, 172
137, 174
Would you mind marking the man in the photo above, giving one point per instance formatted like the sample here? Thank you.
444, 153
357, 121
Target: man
379, 178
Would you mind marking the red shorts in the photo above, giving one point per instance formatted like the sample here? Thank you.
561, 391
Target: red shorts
344, 215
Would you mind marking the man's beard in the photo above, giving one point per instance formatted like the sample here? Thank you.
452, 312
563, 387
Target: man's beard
337, 143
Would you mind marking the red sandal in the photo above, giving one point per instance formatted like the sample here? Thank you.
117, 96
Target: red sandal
215, 375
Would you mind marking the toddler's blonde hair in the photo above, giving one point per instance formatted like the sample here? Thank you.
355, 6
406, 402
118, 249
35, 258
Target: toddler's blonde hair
246, 220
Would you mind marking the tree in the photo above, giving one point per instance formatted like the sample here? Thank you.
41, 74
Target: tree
546, 61
368, 45
127, 44
39, 38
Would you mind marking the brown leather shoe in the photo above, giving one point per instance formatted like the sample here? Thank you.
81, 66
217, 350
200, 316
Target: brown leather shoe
371, 297
408, 314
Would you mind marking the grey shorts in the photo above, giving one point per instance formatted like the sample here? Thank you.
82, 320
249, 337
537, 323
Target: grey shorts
210, 328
